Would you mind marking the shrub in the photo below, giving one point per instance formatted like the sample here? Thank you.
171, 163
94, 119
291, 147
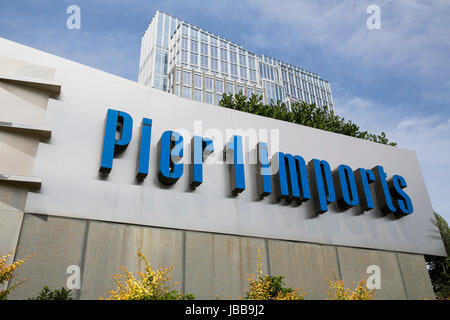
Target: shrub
439, 267
150, 285
339, 292
265, 287
47, 294
301, 113
7, 273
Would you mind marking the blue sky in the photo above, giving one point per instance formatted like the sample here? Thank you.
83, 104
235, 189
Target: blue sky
396, 79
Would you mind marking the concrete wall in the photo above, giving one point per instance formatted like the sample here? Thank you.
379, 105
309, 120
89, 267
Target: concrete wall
209, 265
304, 265
219, 265
54, 244
18, 151
111, 245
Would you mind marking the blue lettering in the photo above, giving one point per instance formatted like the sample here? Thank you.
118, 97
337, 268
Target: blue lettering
237, 167
115, 121
144, 151
364, 177
347, 193
171, 152
295, 182
401, 199
264, 177
201, 147
382, 190
320, 171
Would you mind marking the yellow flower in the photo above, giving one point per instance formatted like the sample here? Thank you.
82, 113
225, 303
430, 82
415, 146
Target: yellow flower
7, 272
339, 292
150, 285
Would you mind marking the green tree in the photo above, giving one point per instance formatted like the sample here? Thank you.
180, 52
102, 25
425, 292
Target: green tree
47, 294
301, 113
265, 287
439, 267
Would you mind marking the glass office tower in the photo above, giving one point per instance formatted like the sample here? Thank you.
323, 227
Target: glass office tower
190, 62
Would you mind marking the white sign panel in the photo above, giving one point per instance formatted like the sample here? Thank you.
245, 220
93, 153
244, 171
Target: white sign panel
73, 186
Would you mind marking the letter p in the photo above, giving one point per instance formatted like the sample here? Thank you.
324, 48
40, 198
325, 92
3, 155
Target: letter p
116, 121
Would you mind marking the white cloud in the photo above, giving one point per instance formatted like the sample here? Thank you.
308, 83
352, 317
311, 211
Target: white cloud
430, 138
407, 123
102, 49
413, 37
411, 47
